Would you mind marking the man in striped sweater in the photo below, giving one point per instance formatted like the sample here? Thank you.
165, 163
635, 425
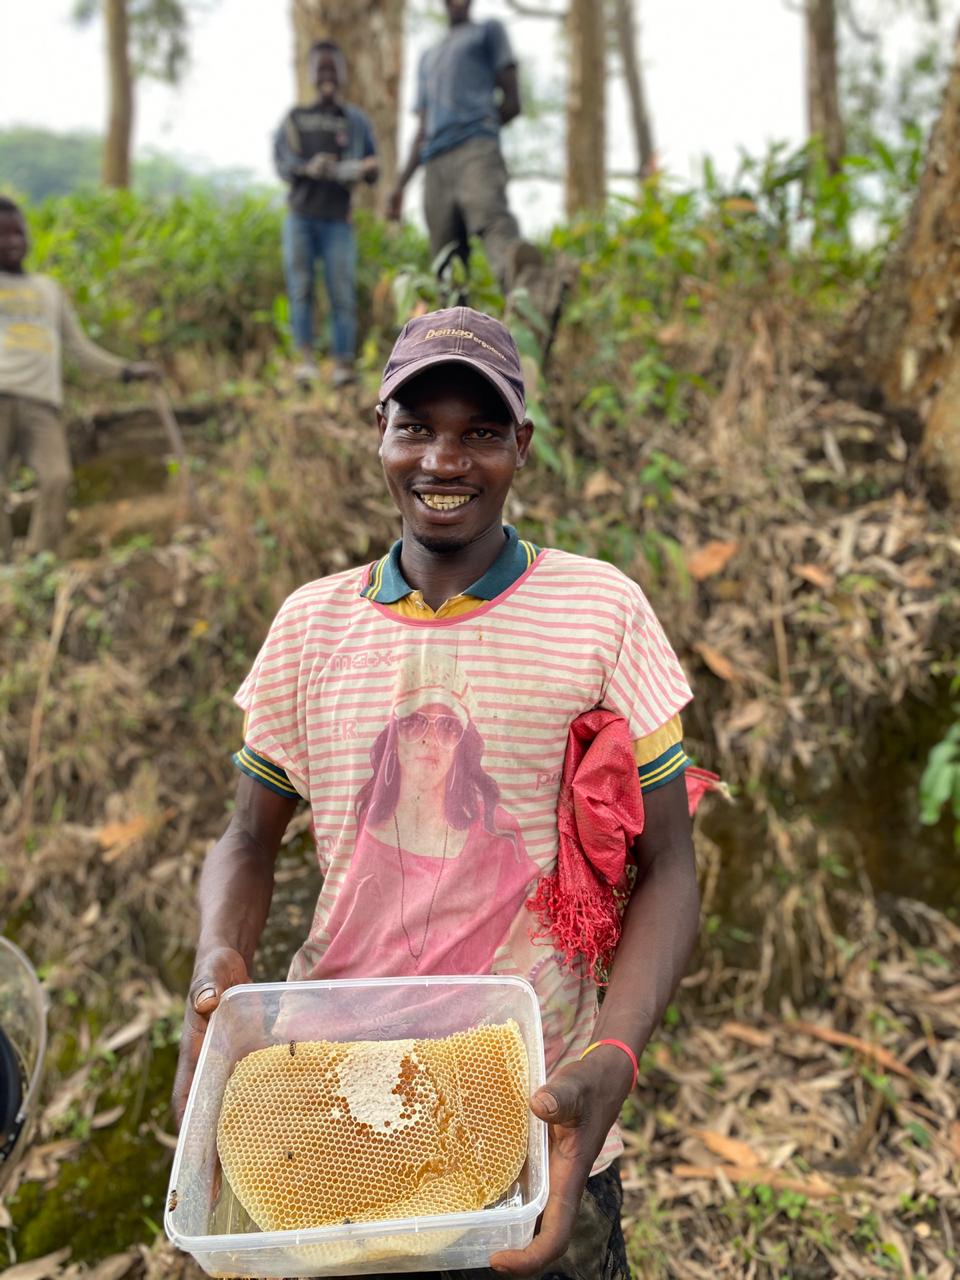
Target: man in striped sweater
421, 705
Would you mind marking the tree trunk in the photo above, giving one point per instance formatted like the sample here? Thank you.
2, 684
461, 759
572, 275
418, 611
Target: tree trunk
116, 147
823, 95
625, 31
586, 126
370, 33
908, 342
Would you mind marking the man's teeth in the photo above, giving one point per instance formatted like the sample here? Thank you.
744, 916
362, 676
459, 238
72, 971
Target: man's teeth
444, 502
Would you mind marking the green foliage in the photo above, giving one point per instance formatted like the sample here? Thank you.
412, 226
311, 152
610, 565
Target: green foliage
202, 273
146, 276
101, 1194
653, 270
889, 86
442, 282
38, 163
158, 31
940, 782
787, 211
194, 272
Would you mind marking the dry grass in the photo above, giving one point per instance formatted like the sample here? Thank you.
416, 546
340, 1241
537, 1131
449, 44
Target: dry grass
821, 1140
809, 588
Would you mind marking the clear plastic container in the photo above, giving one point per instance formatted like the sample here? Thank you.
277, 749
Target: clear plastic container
204, 1218
23, 1019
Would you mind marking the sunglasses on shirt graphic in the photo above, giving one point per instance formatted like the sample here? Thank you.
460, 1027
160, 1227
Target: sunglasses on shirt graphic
414, 728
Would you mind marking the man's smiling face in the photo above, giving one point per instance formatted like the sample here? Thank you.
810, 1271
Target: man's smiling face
327, 71
450, 449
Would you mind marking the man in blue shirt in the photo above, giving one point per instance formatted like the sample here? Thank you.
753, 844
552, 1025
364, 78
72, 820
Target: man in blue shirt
467, 90
323, 151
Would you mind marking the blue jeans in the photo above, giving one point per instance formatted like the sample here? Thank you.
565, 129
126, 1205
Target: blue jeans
304, 240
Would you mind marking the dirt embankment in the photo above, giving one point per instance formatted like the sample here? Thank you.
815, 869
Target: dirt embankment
798, 1115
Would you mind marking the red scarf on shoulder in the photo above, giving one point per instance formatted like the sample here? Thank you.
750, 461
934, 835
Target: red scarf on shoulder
599, 815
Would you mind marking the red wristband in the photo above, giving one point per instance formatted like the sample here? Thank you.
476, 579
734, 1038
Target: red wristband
617, 1044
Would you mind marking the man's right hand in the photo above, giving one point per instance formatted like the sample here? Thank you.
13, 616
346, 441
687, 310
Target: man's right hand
214, 972
394, 206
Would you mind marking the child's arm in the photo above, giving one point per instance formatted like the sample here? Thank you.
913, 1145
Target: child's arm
581, 1101
90, 357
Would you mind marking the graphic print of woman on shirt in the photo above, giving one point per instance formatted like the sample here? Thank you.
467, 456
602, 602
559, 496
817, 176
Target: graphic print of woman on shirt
439, 871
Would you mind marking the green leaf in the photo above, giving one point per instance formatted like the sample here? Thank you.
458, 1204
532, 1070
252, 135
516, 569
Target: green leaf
919, 1134
940, 782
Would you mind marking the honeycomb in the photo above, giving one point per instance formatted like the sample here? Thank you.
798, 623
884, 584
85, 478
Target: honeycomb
317, 1133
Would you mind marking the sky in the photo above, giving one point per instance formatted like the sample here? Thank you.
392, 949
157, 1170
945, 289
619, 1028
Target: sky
721, 75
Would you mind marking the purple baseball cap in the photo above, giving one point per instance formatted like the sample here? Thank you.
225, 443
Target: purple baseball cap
458, 335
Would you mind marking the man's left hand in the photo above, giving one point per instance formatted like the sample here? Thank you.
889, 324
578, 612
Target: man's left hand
580, 1104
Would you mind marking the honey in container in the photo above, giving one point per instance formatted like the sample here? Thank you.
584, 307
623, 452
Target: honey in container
316, 1133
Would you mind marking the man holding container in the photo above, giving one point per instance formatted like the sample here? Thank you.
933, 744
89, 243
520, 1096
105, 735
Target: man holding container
422, 706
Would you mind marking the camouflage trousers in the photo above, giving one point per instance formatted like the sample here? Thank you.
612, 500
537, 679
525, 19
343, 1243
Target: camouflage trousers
597, 1250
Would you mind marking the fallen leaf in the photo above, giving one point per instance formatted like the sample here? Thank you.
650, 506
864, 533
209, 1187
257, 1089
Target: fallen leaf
749, 1035
918, 580
107, 1118
748, 717
814, 1186
114, 1267
672, 333
718, 664
600, 484
170, 866
948, 995
738, 1153
813, 574
875, 1051
91, 915
134, 1029
41, 1162
117, 837
710, 559
168, 1140
40, 1268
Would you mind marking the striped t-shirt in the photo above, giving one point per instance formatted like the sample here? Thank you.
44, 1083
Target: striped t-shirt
660, 756
430, 751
